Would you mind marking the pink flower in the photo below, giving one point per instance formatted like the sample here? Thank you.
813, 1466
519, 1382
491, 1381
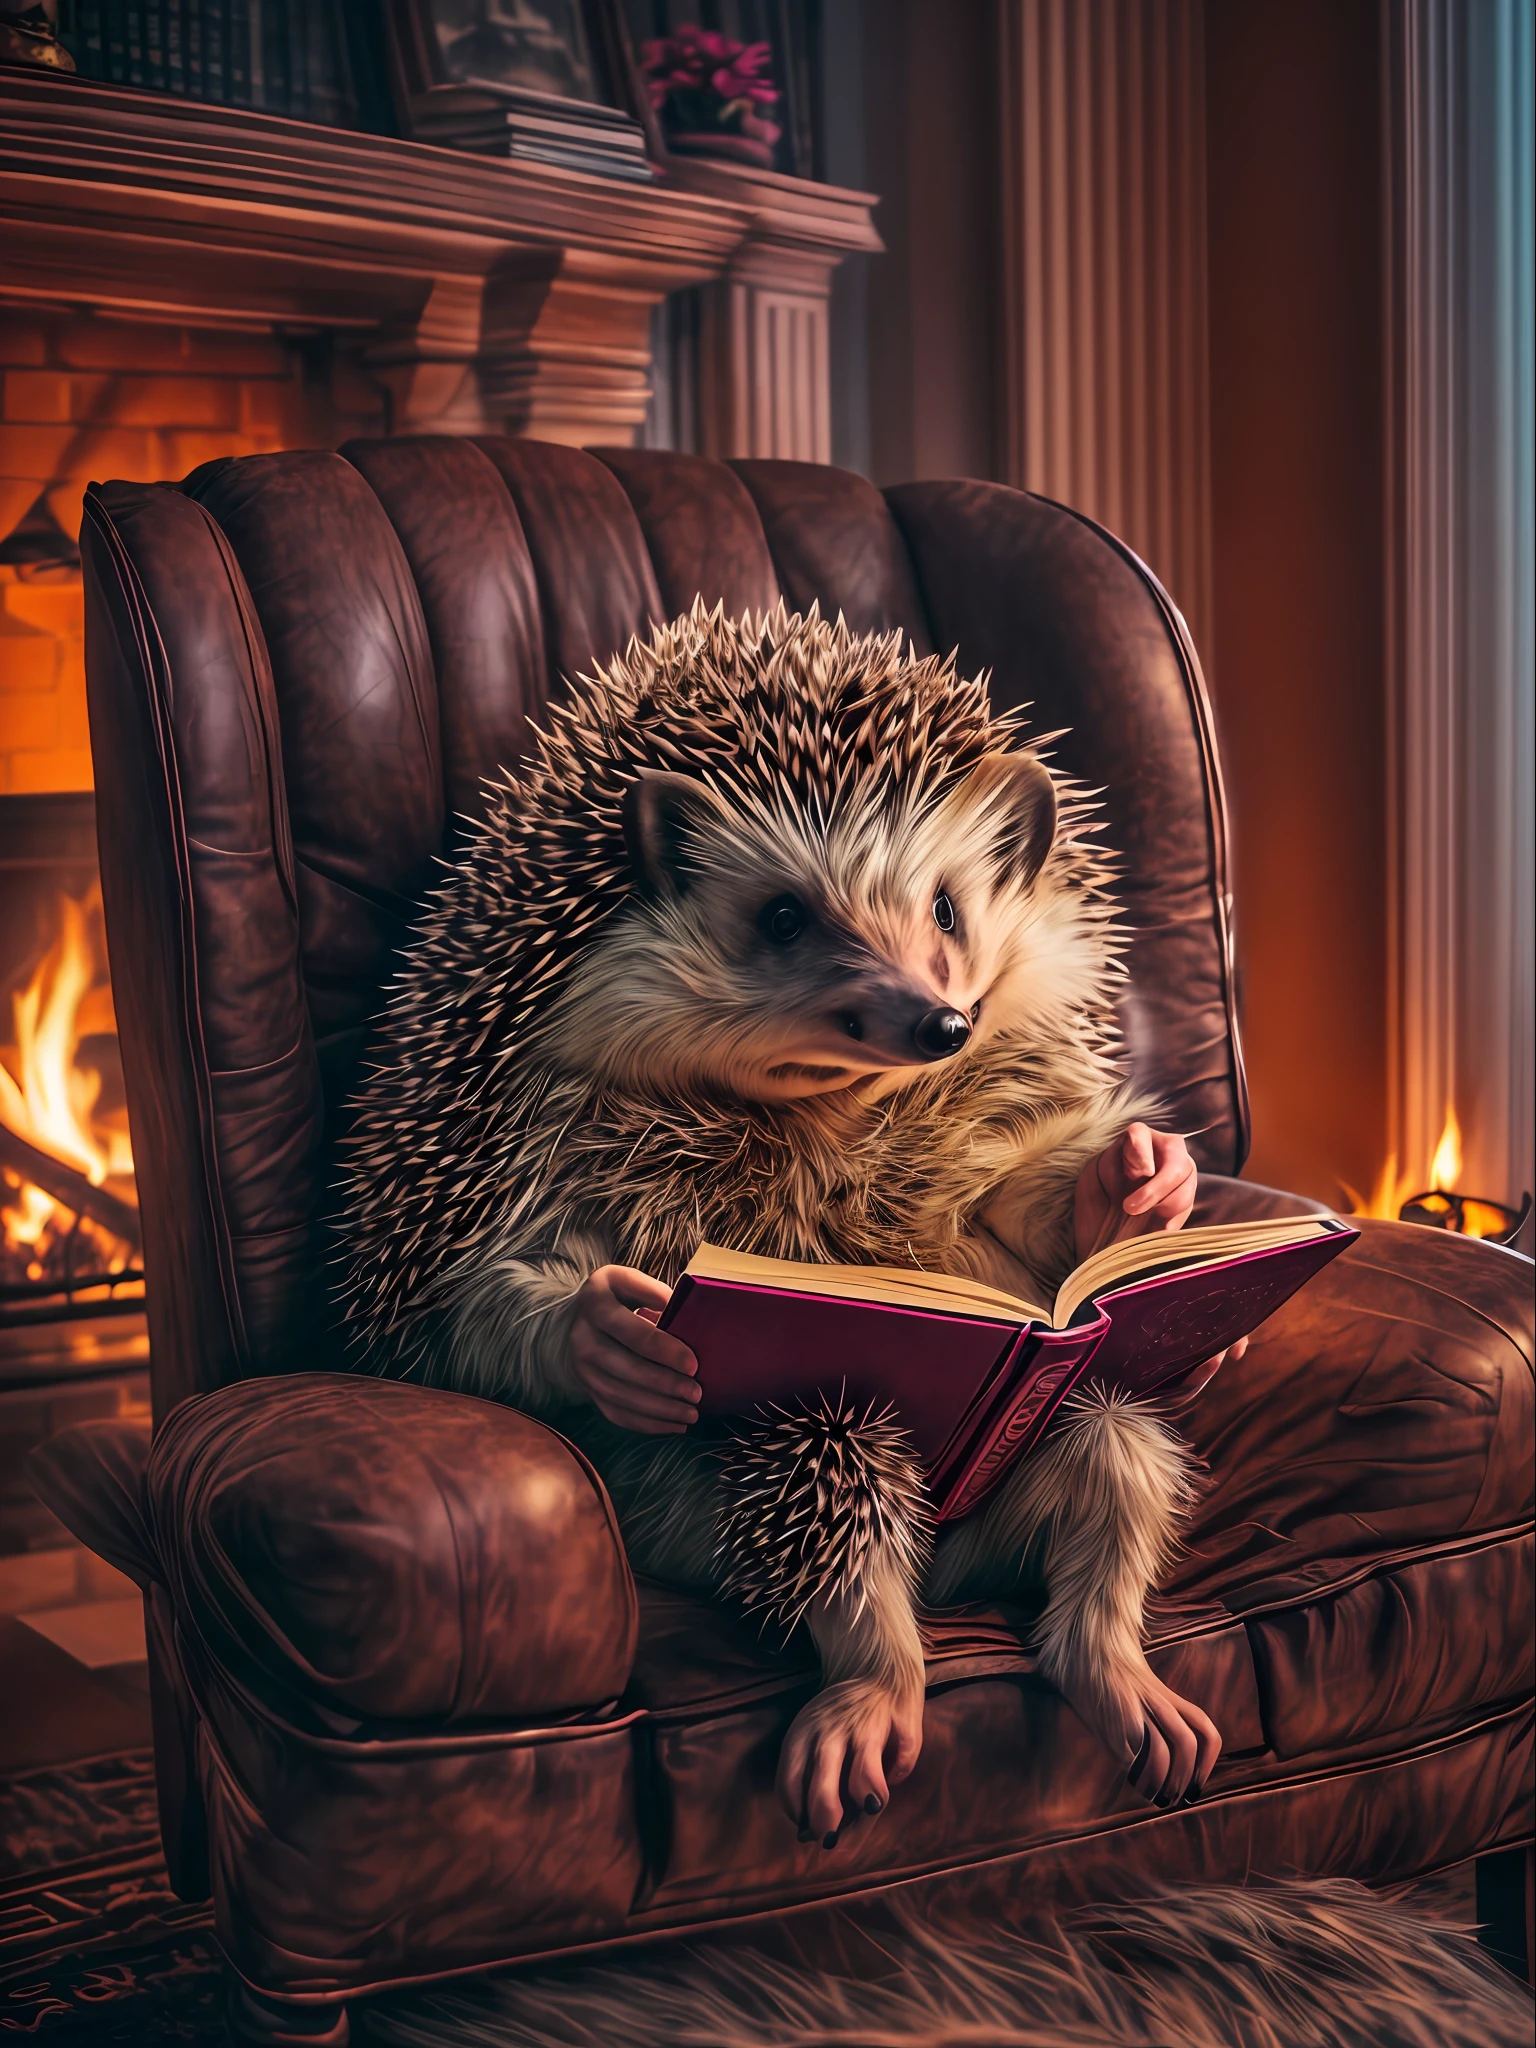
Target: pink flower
694, 60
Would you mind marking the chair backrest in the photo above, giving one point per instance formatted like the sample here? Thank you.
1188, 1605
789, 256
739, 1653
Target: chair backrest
301, 666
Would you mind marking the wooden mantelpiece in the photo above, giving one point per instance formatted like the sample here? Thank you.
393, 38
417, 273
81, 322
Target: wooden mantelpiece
480, 294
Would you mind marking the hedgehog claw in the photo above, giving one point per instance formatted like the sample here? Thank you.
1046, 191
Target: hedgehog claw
844, 1751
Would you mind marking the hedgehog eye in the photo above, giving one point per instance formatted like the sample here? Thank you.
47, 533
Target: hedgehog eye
943, 912
782, 921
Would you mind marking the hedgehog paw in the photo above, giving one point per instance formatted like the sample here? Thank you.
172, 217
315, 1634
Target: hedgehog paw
845, 1750
1168, 1744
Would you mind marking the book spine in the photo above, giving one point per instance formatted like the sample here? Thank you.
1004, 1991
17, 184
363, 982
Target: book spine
133, 38
90, 49
175, 48
237, 53
276, 96
346, 113
994, 1391
214, 13
298, 59
1052, 1366
115, 13
192, 20
258, 61
320, 44
155, 13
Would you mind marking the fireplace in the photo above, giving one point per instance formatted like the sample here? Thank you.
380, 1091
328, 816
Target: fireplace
73, 1343
69, 1222
183, 282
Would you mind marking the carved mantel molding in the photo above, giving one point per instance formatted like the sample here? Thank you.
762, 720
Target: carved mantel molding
481, 294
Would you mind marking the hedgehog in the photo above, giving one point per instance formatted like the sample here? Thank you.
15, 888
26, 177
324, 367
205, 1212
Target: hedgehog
781, 939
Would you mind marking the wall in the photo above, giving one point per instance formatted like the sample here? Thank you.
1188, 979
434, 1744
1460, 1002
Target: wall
909, 112
1296, 341
85, 397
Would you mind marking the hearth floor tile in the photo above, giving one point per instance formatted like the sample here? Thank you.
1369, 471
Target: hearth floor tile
96, 1632
53, 1710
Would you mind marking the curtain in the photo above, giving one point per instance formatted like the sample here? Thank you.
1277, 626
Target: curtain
1459, 141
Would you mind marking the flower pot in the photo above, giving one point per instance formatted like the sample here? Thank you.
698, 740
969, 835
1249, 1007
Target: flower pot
740, 149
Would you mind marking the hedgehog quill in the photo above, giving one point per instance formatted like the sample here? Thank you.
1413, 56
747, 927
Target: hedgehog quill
782, 940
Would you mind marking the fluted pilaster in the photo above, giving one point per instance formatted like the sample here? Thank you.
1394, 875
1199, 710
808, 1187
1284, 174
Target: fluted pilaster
1105, 384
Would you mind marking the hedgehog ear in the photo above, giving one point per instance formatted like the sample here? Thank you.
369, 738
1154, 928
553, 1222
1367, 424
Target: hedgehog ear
1020, 797
664, 817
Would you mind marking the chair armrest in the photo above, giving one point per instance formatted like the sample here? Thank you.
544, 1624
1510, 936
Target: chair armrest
92, 1477
346, 1549
1387, 1406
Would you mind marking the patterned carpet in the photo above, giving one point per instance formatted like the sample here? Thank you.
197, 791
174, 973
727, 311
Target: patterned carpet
96, 1948
94, 1945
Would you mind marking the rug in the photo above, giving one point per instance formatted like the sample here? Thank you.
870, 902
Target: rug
1321, 1964
95, 1949
94, 1945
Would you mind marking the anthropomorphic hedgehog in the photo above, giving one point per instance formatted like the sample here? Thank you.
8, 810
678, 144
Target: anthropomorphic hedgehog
781, 940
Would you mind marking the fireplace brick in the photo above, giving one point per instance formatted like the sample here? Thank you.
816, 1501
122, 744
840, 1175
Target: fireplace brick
37, 395
29, 660
85, 396
22, 339
32, 720
90, 342
31, 451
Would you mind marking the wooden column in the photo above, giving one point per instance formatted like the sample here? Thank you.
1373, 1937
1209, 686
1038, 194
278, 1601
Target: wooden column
1460, 544
1105, 383
764, 377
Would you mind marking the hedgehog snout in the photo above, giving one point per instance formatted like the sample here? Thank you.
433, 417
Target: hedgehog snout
941, 1032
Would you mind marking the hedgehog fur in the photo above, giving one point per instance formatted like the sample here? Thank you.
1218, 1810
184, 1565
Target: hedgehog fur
568, 1074
811, 1494
474, 1143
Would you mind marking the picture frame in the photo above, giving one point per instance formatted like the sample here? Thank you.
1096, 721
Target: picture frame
571, 51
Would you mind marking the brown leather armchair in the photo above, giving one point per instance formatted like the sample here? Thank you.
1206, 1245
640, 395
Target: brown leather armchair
413, 1714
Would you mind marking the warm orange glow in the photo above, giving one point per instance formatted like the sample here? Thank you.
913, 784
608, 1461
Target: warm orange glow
1445, 1167
1387, 1195
1465, 1213
45, 1097
1485, 1219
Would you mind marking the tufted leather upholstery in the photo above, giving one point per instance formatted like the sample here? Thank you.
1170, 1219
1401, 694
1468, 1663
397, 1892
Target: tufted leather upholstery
412, 1713
369, 634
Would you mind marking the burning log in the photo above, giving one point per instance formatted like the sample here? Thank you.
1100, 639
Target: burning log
69, 1187
1467, 1215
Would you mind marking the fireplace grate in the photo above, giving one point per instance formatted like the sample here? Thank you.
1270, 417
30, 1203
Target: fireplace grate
72, 1297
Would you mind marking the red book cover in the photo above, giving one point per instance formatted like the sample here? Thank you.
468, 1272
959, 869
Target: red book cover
759, 1346
977, 1392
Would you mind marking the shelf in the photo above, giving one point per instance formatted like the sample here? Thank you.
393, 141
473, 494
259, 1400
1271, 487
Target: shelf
540, 278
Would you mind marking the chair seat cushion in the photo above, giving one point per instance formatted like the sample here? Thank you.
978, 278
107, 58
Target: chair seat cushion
1356, 1585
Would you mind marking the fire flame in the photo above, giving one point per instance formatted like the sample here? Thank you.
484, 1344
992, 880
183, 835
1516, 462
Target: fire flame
1445, 1167
1389, 1191
1392, 1190
44, 1096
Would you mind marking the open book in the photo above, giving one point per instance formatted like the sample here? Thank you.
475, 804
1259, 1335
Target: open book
974, 1374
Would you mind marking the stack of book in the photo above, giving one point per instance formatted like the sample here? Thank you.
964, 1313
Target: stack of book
497, 120
284, 56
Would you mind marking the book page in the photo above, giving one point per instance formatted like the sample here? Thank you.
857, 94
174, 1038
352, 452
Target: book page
892, 1286
1207, 1244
